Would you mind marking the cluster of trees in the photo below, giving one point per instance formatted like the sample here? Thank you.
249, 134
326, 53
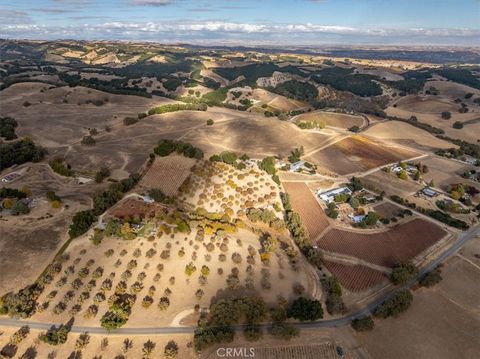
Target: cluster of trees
140, 69
12, 193
216, 97
118, 312
465, 148
127, 121
402, 273
88, 141
334, 301
305, 309
21, 304
159, 196
299, 232
431, 278
396, 304
268, 165
7, 128
310, 124
101, 174
81, 222
18, 152
105, 199
446, 218
227, 312
351, 103
254, 71
363, 324
211, 83
55, 335
296, 154
115, 86
172, 83
228, 157
166, 147
174, 107
435, 214
266, 216
460, 75
343, 79
59, 166
297, 90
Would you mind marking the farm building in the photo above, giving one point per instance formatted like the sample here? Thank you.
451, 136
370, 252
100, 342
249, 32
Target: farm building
297, 166
356, 219
10, 177
329, 196
427, 191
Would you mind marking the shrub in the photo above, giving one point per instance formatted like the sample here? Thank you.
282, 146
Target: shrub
395, 305
171, 350
431, 278
284, 331
306, 309
55, 336
363, 324
164, 303
403, 272
253, 332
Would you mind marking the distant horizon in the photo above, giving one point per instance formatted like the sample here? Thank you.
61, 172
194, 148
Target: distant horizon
331, 46
247, 22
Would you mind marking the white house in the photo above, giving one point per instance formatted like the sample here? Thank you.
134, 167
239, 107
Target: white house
329, 196
294, 167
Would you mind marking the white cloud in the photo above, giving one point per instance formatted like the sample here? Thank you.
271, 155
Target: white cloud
152, 2
218, 31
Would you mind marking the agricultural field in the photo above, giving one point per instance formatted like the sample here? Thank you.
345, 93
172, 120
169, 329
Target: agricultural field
218, 187
392, 185
332, 119
168, 173
418, 332
304, 202
152, 268
405, 134
387, 210
358, 153
356, 277
402, 242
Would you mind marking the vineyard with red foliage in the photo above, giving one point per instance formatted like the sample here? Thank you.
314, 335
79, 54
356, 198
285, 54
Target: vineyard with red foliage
401, 243
355, 277
304, 202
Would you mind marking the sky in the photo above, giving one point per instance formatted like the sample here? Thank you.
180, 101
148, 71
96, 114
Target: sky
247, 22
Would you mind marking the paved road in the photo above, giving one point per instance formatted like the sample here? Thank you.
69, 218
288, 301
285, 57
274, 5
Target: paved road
463, 238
